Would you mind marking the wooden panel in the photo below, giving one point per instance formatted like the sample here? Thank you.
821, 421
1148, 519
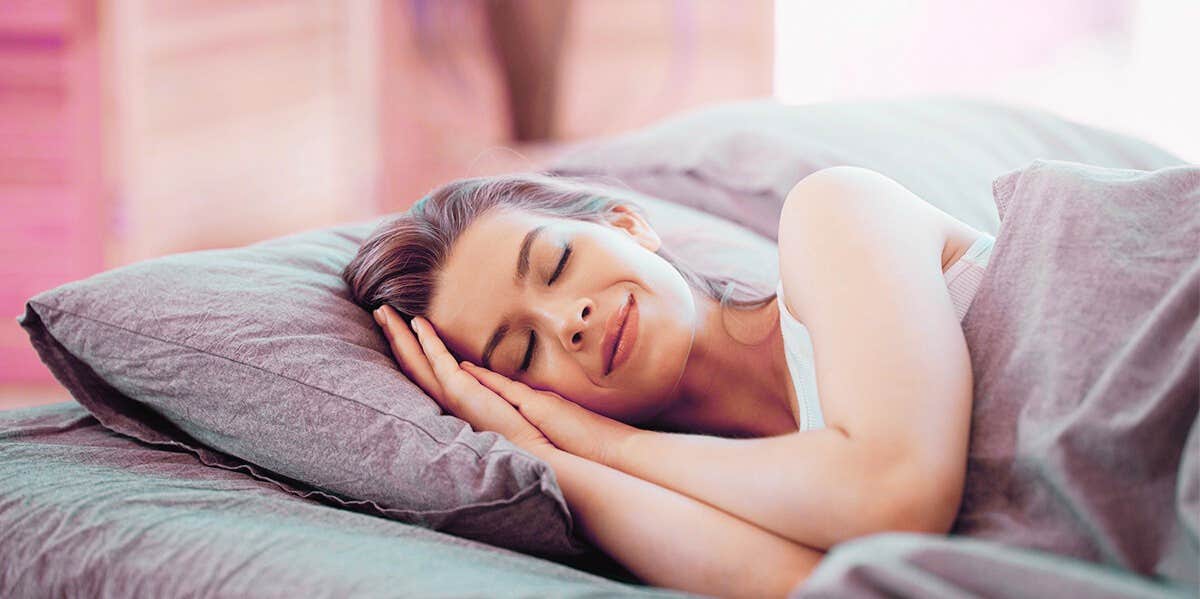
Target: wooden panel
659, 58
35, 95
27, 18
626, 64
443, 112
224, 122
239, 121
51, 210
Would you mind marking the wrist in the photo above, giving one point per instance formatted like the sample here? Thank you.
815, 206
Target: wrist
544, 452
617, 453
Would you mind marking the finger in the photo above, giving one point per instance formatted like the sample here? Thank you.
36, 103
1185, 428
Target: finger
502, 385
524, 397
477, 383
404, 345
444, 365
520, 395
408, 351
455, 381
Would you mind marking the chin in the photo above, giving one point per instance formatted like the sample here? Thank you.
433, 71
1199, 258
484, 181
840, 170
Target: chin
655, 369
673, 320
630, 408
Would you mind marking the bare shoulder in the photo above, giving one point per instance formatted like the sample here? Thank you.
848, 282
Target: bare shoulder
854, 205
860, 259
849, 208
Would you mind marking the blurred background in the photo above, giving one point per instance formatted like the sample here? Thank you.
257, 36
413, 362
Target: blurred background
130, 129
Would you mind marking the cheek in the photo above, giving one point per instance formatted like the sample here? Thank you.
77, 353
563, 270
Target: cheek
558, 383
565, 381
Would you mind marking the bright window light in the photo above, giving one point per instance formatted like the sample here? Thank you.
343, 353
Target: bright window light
1125, 65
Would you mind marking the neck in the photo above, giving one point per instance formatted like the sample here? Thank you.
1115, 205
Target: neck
735, 381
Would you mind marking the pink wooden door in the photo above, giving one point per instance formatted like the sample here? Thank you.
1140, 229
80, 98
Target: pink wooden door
51, 215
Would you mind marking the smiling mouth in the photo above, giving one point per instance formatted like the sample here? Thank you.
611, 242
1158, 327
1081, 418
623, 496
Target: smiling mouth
620, 334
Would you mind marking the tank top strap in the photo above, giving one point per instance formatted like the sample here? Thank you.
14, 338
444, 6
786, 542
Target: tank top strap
964, 276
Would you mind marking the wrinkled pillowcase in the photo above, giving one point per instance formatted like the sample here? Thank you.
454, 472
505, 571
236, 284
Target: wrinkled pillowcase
256, 359
739, 160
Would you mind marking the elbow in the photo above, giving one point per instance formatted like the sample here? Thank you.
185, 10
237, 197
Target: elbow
916, 502
898, 500
919, 501
928, 512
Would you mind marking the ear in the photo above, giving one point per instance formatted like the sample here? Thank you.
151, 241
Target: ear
626, 219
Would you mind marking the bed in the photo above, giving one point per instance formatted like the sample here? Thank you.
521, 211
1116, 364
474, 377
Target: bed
86, 512
130, 491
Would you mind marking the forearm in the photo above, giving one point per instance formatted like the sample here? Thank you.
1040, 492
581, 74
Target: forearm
817, 488
668, 539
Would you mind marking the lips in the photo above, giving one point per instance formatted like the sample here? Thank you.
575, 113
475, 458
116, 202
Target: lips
612, 333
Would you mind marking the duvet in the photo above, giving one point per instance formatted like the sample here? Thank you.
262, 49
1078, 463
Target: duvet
1083, 475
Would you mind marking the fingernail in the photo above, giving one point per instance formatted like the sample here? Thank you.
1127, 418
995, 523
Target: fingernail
379, 316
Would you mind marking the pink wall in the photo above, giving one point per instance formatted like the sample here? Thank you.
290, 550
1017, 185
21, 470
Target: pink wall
624, 64
130, 129
51, 210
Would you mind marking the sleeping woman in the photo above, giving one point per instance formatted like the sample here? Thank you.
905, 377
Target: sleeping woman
686, 429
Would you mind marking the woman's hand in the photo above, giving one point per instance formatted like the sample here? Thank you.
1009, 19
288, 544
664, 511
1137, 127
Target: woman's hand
425, 360
556, 421
571, 427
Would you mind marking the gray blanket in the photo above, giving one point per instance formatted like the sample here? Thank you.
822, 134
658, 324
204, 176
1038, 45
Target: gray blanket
1085, 345
85, 512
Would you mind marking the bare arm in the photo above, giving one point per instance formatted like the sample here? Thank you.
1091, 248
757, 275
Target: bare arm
861, 258
671, 540
666, 538
816, 487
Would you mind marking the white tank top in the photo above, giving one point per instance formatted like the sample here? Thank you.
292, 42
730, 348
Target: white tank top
962, 280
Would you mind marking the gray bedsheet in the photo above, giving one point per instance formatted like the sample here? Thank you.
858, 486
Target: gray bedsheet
88, 513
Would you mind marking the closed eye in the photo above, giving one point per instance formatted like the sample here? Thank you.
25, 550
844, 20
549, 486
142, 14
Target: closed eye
562, 262
528, 352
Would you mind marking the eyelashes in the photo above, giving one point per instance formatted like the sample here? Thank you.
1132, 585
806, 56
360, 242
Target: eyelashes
529, 351
562, 262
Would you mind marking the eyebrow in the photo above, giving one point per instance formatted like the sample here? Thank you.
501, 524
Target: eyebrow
523, 255
521, 273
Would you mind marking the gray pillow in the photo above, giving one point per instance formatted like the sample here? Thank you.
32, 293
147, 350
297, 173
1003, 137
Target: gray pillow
739, 160
256, 359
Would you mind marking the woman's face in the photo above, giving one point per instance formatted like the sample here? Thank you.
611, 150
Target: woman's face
563, 311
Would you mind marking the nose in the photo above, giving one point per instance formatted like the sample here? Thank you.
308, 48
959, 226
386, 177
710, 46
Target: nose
576, 327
